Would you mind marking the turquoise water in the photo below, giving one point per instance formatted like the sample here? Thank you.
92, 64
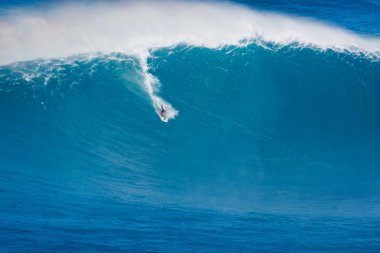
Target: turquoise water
274, 148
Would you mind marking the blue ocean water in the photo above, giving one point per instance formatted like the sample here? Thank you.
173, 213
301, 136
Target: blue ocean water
274, 149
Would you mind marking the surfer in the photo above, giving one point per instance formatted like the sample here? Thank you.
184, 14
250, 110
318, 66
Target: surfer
163, 112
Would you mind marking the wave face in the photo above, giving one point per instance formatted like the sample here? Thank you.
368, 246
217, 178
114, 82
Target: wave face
268, 143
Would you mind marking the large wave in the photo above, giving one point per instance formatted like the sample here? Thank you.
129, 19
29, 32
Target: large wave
257, 93
260, 128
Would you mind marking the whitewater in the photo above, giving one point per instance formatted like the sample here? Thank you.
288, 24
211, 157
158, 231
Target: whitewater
139, 26
272, 141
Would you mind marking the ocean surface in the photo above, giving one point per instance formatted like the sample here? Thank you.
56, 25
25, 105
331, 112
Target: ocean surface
272, 143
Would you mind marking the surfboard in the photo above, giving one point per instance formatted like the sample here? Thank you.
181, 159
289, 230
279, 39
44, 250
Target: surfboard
164, 119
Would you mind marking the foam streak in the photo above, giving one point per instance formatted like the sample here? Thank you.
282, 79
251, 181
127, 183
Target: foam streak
150, 85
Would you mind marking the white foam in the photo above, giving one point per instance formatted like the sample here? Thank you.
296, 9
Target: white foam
134, 27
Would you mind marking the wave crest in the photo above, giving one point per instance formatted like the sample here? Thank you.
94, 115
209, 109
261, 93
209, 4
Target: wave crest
136, 27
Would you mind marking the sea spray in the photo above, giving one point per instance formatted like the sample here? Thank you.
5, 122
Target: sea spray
138, 26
